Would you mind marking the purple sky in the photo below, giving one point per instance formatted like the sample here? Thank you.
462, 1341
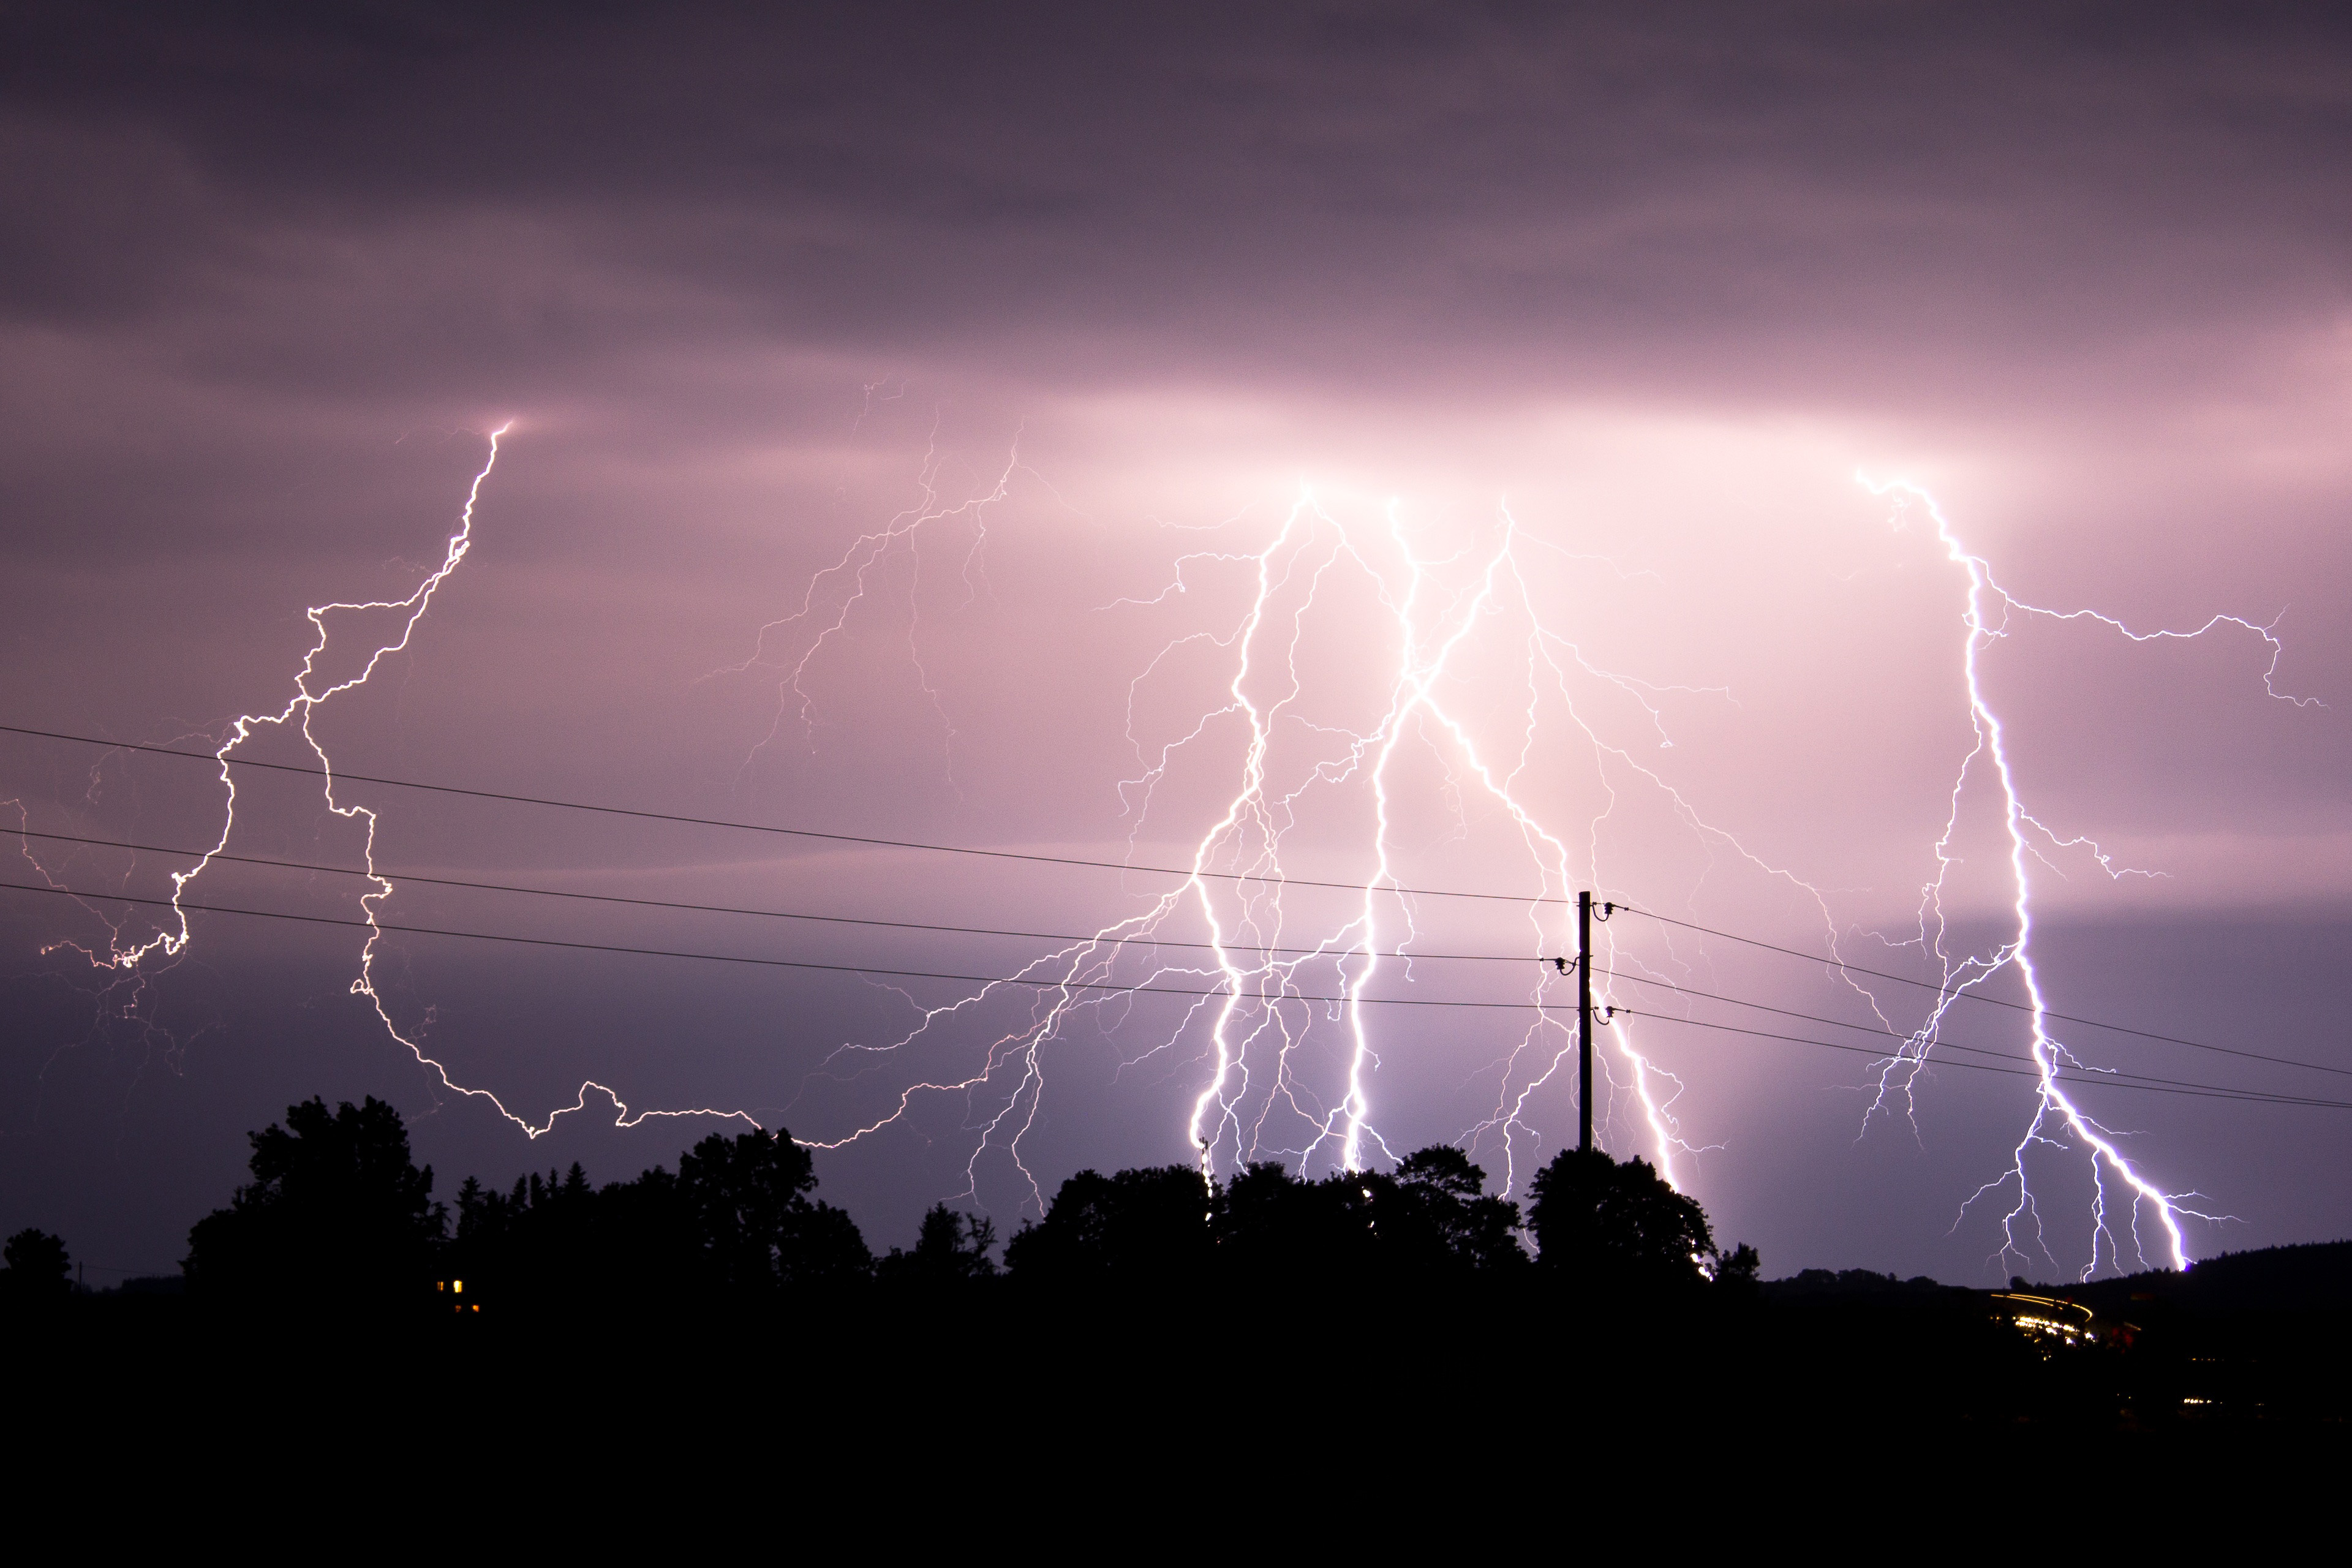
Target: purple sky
751, 288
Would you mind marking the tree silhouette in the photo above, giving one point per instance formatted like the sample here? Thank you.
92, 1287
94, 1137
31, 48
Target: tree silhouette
1433, 1213
1430, 1217
747, 1199
736, 1222
950, 1248
644, 1252
1604, 1223
739, 1196
336, 1209
544, 1239
827, 1249
1138, 1225
1270, 1226
38, 1268
1737, 1270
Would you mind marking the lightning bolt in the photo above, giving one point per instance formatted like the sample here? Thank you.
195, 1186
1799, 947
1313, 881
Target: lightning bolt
838, 590
1279, 977
1285, 972
1279, 1028
313, 692
2120, 1192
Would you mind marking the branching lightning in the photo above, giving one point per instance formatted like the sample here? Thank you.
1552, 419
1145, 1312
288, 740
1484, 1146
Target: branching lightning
844, 585
1276, 1045
2117, 1183
134, 959
1266, 1091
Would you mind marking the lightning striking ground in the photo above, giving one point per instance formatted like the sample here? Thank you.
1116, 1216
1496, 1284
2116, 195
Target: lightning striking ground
1271, 1085
2117, 1185
1275, 1042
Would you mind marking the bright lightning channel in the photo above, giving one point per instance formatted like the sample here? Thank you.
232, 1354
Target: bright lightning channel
1989, 609
1255, 1023
135, 957
1257, 1098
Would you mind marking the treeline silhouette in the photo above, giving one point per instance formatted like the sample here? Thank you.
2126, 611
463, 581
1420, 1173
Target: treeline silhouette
39, 1270
1138, 1301
339, 1211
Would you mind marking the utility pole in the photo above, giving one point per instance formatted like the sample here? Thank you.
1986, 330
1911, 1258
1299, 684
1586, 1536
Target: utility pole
1585, 1023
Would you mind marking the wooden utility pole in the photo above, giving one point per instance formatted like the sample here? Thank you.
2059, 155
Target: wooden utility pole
1585, 1023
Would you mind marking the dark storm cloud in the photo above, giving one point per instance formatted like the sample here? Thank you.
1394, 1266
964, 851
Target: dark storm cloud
1481, 190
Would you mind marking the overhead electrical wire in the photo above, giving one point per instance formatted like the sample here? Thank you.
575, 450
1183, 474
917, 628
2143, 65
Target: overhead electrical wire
728, 909
1965, 992
1880, 1029
1959, 991
644, 815
944, 928
2151, 1084
2065, 1073
734, 958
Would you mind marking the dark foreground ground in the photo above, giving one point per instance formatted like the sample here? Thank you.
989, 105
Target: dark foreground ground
1827, 1398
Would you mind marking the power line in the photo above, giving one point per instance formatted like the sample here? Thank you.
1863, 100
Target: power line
981, 931
1967, 993
2105, 1075
764, 963
1941, 990
1936, 1042
764, 827
2169, 1086
732, 910
2069, 1076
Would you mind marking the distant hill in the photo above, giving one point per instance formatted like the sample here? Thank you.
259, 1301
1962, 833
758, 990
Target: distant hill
1823, 1285
2313, 1277
2316, 1276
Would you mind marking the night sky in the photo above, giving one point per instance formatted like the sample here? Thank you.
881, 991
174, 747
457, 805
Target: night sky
905, 406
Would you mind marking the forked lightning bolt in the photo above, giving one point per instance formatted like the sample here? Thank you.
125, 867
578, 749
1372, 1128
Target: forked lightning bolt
309, 696
1284, 968
1278, 1026
847, 582
2114, 1179
1282, 975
